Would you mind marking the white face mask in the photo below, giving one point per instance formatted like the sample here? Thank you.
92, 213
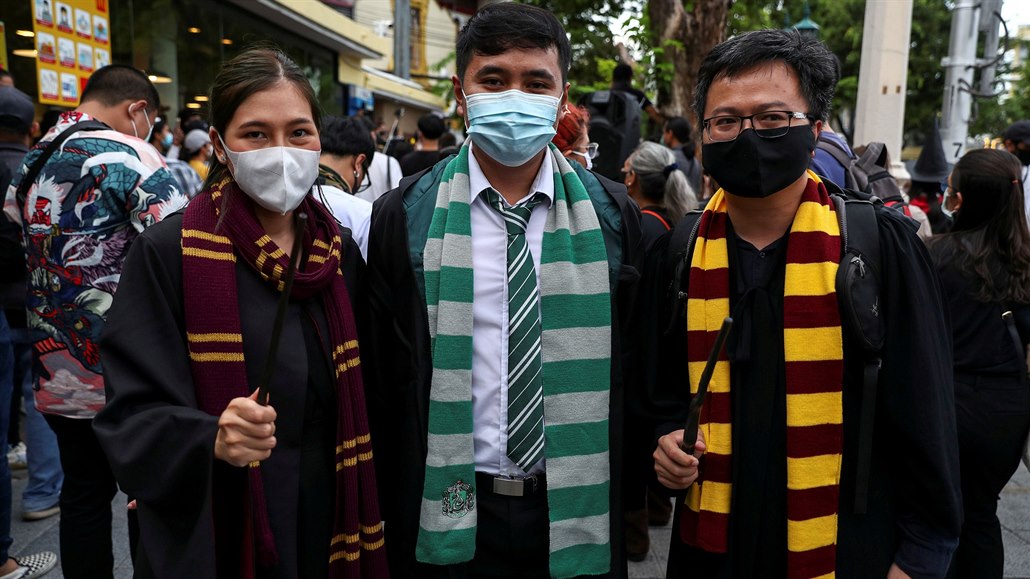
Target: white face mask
150, 127
276, 178
949, 213
586, 158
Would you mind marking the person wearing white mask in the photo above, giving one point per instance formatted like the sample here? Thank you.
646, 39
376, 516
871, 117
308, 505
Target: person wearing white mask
573, 139
499, 283
230, 482
81, 199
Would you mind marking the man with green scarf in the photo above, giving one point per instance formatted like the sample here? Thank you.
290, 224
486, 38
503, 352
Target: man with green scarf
500, 280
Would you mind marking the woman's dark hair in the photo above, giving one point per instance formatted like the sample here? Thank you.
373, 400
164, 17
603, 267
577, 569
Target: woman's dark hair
817, 68
990, 228
500, 27
250, 72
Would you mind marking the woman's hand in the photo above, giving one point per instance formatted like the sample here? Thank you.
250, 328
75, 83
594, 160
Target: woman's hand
675, 468
246, 432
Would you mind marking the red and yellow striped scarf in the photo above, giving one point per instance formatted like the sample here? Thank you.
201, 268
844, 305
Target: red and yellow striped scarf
813, 355
210, 250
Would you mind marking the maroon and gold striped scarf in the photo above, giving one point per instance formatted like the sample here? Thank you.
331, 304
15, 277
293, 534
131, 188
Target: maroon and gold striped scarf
813, 354
210, 250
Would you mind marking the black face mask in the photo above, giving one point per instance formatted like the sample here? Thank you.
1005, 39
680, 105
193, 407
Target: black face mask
1023, 155
751, 166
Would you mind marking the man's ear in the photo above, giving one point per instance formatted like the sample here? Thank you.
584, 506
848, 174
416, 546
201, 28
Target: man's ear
459, 96
563, 104
359, 161
817, 128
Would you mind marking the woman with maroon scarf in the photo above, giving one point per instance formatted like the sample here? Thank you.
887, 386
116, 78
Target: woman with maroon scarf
226, 486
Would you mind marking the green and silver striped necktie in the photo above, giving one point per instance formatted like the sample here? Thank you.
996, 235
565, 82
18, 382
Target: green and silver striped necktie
525, 386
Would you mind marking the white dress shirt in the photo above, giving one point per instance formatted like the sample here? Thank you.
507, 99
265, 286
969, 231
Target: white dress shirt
1026, 190
353, 213
490, 317
384, 174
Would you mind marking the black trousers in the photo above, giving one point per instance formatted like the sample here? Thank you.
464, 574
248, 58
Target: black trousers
89, 487
993, 418
512, 538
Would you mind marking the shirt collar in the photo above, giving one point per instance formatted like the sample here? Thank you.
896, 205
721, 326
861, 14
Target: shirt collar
543, 183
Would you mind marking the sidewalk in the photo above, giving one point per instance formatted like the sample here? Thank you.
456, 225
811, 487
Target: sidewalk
1014, 512
43, 535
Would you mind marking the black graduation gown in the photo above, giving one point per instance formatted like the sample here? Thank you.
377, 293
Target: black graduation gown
161, 446
398, 376
914, 508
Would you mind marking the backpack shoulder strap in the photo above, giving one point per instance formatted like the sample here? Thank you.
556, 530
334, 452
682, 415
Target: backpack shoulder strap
835, 150
860, 263
655, 214
33, 172
677, 260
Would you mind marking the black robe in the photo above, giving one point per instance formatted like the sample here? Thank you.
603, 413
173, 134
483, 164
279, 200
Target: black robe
161, 446
399, 373
914, 504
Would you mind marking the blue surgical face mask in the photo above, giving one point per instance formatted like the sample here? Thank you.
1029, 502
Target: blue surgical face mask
166, 141
511, 126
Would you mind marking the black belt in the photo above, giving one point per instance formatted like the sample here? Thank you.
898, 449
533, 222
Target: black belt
510, 487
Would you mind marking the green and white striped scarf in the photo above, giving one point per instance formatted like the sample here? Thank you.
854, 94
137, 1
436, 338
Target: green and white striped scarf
575, 310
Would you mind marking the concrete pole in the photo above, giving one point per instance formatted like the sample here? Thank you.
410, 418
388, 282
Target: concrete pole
989, 25
402, 38
883, 77
958, 79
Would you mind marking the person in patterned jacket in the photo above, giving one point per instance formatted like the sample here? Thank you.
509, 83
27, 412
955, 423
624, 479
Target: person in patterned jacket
97, 191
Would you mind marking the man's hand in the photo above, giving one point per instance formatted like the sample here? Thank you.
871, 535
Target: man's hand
675, 468
245, 432
896, 573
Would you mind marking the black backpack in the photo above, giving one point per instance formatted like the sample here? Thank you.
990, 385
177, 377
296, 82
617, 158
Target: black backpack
867, 174
615, 127
858, 297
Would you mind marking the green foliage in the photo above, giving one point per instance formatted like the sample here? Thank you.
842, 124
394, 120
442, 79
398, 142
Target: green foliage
991, 116
589, 24
840, 21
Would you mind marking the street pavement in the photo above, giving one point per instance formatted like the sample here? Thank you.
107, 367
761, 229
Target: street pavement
1014, 513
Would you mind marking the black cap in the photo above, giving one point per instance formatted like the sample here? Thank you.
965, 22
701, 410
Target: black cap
1018, 131
17, 107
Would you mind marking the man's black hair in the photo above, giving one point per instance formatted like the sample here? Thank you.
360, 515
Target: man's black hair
448, 139
346, 136
817, 69
498, 28
622, 73
431, 126
116, 83
681, 129
366, 123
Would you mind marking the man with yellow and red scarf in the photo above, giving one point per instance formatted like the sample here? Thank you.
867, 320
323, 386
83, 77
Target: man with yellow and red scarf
771, 488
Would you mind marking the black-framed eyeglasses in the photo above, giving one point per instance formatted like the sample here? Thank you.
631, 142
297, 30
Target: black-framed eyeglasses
767, 124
